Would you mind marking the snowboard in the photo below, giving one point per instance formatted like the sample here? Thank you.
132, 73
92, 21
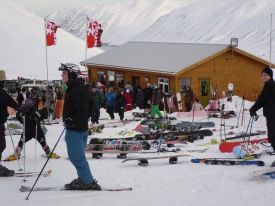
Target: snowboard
227, 161
270, 171
178, 95
143, 161
171, 121
203, 124
141, 114
230, 92
228, 146
191, 114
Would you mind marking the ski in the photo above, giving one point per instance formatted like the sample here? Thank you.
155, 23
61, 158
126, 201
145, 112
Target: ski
188, 124
270, 171
227, 161
32, 174
41, 189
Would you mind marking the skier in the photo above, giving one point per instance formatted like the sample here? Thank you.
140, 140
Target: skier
96, 98
266, 101
32, 129
157, 96
121, 103
75, 117
189, 97
129, 99
140, 98
197, 105
147, 96
171, 102
5, 101
110, 102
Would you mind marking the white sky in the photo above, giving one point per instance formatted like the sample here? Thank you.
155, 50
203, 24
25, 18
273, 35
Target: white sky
45, 7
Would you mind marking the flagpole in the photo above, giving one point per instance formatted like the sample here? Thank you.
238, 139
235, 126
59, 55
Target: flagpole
46, 53
270, 41
86, 43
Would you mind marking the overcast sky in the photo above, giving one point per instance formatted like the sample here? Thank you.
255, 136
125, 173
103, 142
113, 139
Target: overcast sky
45, 7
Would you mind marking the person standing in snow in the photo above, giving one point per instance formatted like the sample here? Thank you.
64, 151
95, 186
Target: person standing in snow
121, 103
32, 129
129, 99
140, 98
5, 102
147, 96
96, 98
266, 101
110, 102
75, 117
157, 96
188, 98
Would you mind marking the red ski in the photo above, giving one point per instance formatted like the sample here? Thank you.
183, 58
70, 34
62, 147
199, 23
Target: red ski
228, 146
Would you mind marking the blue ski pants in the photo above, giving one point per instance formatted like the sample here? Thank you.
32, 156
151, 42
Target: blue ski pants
76, 143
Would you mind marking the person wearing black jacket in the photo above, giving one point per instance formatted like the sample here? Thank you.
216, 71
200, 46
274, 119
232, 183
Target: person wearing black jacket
5, 101
121, 103
32, 129
266, 101
76, 113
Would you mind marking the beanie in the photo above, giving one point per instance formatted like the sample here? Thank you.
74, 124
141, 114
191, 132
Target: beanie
268, 71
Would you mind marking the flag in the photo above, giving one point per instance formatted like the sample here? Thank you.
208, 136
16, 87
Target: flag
50, 32
94, 32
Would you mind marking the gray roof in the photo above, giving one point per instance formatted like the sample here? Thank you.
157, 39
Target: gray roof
155, 56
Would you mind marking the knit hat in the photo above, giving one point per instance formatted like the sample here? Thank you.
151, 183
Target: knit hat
268, 71
2, 75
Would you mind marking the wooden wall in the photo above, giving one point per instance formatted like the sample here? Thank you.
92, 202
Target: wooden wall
243, 72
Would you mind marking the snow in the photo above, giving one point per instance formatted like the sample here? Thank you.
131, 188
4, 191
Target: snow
160, 183
23, 50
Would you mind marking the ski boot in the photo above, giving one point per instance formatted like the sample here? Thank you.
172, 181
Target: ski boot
12, 157
52, 155
5, 172
76, 184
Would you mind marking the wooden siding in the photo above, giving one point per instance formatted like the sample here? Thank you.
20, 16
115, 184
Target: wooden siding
226, 68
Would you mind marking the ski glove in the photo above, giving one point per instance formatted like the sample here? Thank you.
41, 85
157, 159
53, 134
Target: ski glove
69, 123
252, 113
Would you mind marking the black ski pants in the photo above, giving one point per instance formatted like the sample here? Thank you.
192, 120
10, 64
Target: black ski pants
2, 139
270, 123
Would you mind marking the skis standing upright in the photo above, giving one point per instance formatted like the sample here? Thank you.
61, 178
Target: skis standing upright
230, 92
179, 101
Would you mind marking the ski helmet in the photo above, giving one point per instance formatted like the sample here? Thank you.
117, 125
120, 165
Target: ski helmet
27, 106
73, 70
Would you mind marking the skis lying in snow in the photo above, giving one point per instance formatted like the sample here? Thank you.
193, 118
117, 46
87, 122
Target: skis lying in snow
270, 171
228, 161
31, 174
41, 189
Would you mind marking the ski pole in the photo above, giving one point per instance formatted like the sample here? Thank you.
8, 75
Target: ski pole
20, 169
45, 163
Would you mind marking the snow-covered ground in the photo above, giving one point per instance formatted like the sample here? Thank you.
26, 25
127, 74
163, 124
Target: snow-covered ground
160, 183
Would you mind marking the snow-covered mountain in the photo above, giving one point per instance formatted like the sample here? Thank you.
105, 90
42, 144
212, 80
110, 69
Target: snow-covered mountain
200, 21
23, 50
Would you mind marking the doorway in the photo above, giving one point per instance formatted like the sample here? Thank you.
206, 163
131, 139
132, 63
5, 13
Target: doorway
204, 91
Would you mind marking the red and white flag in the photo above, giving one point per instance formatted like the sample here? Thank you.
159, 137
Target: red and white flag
50, 32
94, 32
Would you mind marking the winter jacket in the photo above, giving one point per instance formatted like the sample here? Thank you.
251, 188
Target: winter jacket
266, 100
120, 101
129, 100
30, 122
189, 96
96, 99
76, 105
110, 99
140, 98
157, 96
147, 95
5, 101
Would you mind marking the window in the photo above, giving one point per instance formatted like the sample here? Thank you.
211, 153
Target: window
163, 84
101, 77
119, 80
111, 78
183, 83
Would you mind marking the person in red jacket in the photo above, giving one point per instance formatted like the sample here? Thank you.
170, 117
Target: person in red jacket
129, 100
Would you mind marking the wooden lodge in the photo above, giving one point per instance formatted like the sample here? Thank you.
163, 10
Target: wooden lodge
173, 65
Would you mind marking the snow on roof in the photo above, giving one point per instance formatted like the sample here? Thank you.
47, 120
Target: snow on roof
155, 56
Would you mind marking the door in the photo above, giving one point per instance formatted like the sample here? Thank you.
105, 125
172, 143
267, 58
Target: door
204, 91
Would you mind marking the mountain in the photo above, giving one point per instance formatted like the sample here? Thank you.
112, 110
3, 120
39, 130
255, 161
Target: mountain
23, 50
200, 21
